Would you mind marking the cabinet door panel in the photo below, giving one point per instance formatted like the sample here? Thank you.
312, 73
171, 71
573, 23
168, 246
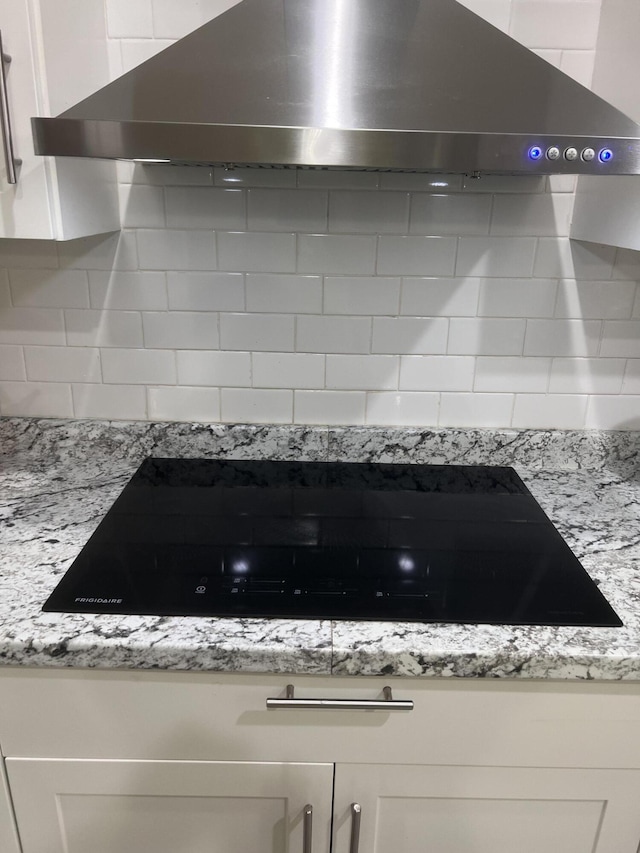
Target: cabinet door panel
8, 837
164, 807
25, 207
484, 810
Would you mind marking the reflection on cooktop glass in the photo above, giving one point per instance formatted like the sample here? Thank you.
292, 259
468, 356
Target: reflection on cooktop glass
331, 540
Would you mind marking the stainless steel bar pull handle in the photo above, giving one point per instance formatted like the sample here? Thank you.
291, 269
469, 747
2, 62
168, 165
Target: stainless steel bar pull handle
5, 119
387, 703
356, 814
307, 828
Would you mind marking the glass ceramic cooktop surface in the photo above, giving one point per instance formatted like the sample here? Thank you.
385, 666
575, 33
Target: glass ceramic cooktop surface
331, 540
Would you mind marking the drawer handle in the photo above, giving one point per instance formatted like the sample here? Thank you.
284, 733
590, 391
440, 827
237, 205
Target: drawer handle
356, 814
5, 120
307, 828
388, 703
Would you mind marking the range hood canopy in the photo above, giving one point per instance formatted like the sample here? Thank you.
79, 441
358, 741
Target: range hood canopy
410, 85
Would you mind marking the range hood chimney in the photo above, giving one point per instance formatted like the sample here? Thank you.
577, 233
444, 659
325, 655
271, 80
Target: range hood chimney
407, 85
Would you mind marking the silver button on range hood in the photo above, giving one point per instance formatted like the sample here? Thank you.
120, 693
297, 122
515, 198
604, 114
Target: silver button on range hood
412, 85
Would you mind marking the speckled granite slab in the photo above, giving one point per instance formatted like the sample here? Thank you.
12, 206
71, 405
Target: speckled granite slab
58, 478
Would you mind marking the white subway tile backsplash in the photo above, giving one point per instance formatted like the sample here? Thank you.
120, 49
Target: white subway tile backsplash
422, 256
5, 292
336, 254
15, 254
414, 182
602, 300
103, 328
12, 363
205, 207
436, 373
626, 265
502, 257
36, 399
141, 206
550, 411
63, 364
497, 12
206, 291
478, 410
586, 375
32, 326
564, 24
543, 215
561, 183
158, 174
245, 252
486, 336
102, 252
455, 213
631, 381
181, 330
621, 338
563, 258
34, 288
184, 404
270, 332
402, 409
333, 334
520, 297
435, 297
101, 401
295, 294
329, 407
286, 210
328, 296
369, 213
288, 370
571, 338
361, 295
256, 406
410, 335
138, 367
134, 291
134, 52
362, 372
214, 368
129, 18
171, 20
579, 65
503, 184
613, 412
512, 374
337, 180
176, 250
252, 177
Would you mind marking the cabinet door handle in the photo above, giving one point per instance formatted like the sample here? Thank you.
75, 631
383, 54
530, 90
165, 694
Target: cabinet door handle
356, 814
388, 703
307, 828
5, 119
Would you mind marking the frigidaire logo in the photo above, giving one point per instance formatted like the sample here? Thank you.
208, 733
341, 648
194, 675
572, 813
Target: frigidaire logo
99, 600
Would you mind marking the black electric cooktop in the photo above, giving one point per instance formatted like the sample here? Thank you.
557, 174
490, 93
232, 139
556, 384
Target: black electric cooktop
329, 540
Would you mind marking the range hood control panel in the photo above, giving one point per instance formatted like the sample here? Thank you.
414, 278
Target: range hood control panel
554, 152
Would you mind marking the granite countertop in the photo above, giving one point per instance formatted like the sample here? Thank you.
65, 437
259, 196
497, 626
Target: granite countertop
58, 478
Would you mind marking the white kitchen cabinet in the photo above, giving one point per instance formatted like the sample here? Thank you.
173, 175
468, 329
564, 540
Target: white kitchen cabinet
131, 758
65, 806
8, 836
58, 56
486, 809
607, 209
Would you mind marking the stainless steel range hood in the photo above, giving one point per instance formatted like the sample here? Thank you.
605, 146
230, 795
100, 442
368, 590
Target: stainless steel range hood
414, 85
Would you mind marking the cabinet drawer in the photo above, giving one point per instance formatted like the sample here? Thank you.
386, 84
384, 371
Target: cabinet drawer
91, 714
